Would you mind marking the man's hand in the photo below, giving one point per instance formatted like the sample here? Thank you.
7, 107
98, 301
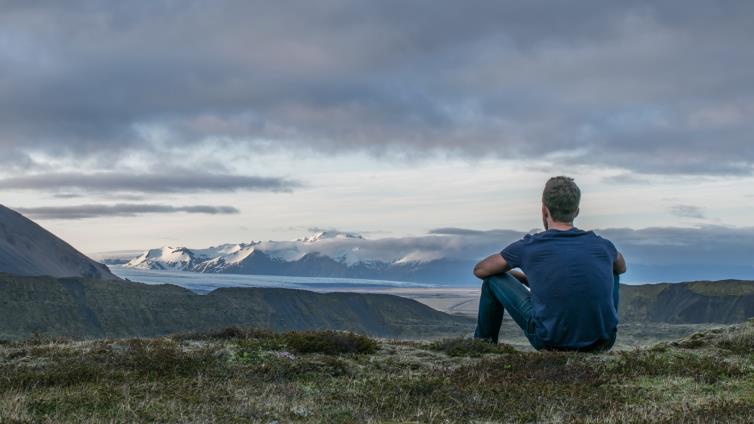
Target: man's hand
494, 264
619, 267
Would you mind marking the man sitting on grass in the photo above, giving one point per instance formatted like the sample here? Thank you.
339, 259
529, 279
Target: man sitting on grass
571, 302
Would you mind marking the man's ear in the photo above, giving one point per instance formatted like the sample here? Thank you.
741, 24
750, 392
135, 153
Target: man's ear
545, 212
577, 212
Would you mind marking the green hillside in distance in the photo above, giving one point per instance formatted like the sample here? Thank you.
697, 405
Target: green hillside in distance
725, 302
84, 308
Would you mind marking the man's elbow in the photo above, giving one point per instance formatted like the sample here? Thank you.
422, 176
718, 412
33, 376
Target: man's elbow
619, 266
479, 272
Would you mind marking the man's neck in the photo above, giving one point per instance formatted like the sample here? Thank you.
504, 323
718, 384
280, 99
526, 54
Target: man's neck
560, 226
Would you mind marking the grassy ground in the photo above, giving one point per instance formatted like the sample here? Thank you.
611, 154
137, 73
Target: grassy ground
255, 376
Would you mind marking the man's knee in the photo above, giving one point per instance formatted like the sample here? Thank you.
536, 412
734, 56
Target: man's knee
486, 290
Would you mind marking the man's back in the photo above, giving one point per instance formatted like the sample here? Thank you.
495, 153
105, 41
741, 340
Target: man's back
570, 274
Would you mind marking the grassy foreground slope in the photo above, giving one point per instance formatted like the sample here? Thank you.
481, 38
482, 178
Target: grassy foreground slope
252, 376
84, 308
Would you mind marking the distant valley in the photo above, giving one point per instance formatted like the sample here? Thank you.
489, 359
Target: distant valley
49, 288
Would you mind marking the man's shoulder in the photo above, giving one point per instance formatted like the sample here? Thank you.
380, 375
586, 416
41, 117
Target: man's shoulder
601, 237
606, 243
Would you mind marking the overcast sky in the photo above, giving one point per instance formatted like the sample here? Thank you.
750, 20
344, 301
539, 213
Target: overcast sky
127, 125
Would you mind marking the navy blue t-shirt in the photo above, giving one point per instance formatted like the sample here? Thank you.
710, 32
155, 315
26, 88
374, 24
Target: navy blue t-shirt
570, 275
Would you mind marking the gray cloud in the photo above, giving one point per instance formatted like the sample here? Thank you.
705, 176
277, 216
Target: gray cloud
456, 231
67, 195
625, 179
647, 86
120, 210
687, 211
453, 231
109, 182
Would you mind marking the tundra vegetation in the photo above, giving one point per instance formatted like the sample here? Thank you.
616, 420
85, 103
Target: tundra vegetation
248, 375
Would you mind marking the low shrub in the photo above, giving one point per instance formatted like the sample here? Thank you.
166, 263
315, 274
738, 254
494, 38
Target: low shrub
739, 342
702, 368
469, 347
329, 342
229, 333
162, 358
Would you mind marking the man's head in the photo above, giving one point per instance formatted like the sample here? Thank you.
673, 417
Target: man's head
560, 201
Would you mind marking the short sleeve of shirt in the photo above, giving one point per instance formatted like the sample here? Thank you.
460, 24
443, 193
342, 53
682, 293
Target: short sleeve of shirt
513, 254
611, 249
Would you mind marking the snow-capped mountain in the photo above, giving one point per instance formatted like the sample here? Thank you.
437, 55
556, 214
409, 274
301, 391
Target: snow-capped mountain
329, 235
324, 254
211, 259
164, 258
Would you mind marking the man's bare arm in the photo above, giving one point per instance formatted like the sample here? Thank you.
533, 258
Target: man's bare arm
492, 265
521, 277
619, 267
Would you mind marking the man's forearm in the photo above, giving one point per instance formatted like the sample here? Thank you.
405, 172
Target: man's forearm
521, 277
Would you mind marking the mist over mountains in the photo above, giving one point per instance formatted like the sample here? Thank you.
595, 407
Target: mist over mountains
446, 256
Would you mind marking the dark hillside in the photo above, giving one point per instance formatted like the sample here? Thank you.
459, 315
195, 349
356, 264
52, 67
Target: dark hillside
28, 249
727, 301
84, 308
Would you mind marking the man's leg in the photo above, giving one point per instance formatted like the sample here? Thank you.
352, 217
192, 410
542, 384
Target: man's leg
616, 298
499, 292
490, 315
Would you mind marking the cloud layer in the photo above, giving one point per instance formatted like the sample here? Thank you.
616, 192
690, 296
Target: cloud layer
687, 211
120, 209
653, 254
695, 247
645, 86
108, 182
